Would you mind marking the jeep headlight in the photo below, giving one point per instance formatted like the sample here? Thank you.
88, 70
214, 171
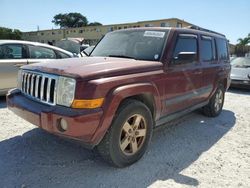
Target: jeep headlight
65, 91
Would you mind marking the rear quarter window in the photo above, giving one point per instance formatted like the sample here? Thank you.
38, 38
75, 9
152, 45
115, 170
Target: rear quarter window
222, 49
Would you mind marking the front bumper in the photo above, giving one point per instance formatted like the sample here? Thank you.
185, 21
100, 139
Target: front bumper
82, 124
240, 83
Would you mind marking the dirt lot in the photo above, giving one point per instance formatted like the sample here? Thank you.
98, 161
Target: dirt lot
199, 151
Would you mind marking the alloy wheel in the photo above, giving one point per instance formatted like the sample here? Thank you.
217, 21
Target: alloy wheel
133, 134
218, 100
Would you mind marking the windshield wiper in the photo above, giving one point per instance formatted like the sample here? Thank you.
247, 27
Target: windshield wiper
122, 56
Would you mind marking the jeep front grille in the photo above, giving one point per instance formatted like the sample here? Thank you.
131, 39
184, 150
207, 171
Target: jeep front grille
39, 86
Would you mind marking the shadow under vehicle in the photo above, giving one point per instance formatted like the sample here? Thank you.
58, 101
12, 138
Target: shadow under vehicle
39, 159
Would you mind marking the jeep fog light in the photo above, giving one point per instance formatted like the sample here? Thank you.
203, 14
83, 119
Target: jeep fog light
63, 125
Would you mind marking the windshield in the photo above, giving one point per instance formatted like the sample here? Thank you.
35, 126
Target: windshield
241, 62
136, 44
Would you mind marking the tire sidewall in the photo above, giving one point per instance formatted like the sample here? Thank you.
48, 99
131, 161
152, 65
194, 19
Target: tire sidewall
117, 155
216, 113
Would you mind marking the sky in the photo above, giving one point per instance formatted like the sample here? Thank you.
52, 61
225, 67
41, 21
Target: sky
229, 17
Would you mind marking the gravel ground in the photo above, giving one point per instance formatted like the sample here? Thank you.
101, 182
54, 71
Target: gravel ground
199, 151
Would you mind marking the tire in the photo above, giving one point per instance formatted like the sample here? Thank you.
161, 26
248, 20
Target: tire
215, 105
129, 135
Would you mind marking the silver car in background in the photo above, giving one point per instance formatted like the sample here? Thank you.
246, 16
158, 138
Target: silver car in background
240, 72
15, 53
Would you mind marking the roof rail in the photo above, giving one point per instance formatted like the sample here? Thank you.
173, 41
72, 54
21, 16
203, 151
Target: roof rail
203, 29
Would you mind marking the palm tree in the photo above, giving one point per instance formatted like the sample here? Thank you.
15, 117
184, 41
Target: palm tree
245, 41
242, 47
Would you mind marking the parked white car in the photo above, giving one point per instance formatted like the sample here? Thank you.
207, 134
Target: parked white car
15, 53
240, 72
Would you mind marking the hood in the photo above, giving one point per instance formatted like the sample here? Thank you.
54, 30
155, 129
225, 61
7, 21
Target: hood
238, 73
94, 67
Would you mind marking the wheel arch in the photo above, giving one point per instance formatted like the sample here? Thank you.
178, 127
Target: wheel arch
146, 93
145, 98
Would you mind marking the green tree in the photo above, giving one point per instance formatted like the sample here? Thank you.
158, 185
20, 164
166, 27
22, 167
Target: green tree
94, 24
7, 33
70, 20
242, 47
244, 41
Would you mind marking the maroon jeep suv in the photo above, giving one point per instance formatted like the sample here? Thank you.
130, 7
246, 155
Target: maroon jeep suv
133, 81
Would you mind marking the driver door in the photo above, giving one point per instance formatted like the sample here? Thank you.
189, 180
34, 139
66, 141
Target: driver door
183, 77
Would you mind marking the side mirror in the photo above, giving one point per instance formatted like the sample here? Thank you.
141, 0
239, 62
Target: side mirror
185, 57
82, 48
82, 51
88, 50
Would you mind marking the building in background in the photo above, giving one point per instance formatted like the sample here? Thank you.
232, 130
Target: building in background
92, 34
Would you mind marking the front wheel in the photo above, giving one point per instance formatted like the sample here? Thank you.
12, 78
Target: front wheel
129, 135
215, 105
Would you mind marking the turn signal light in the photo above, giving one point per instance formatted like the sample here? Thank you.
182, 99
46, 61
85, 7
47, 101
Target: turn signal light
92, 103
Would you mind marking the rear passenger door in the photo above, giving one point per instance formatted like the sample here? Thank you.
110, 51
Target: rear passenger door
12, 56
208, 58
183, 77
215, 61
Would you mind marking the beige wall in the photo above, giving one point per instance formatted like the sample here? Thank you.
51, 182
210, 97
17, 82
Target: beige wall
92, 34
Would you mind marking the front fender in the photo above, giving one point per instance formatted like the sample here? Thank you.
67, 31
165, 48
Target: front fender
114, 99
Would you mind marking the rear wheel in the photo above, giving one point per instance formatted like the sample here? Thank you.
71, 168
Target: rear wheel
215, 105
129, 135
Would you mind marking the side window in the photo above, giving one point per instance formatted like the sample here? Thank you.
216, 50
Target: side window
186, 46
62, 55
222, 49
12, 51
38, 52
207, 49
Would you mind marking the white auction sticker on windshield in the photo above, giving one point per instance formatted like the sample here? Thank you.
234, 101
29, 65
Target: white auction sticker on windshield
157, 34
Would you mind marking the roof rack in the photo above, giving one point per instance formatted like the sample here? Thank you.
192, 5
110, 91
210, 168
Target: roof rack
203, 29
